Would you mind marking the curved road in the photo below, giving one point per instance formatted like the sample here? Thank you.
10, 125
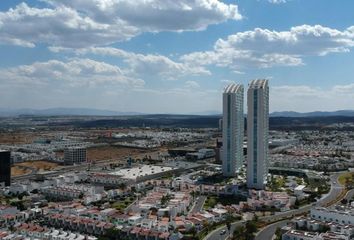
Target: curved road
350, 195
335, 191
216, 234
268, 232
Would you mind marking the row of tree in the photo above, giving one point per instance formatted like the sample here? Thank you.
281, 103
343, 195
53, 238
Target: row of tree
245, 232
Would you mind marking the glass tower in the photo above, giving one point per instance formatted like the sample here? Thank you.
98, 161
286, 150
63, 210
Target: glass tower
232, 130
5, 167
257, 133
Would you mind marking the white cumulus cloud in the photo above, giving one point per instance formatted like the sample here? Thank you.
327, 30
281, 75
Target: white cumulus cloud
265, 48
191, 84
75, 72
83, 23
144, 64
277, 1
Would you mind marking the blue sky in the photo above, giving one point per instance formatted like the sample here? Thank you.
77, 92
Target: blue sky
166, 56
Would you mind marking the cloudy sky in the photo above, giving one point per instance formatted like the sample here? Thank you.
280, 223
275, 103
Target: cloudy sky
168, 56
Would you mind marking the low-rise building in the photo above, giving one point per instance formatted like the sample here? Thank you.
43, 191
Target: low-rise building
338, 214
144, 172
72, 191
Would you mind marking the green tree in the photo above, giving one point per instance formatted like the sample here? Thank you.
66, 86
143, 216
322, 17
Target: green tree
228, 225
122, 186
193, 232
251, 229
278, 234
239, 233
112, 234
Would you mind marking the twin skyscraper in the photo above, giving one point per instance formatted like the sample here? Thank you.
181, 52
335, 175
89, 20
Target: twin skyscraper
257, 131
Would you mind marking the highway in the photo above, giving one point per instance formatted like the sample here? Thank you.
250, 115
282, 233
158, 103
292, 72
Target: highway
332, 195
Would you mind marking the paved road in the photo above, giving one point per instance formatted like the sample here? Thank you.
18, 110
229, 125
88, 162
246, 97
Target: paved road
199, 204
350, 195
268, 232
216, 235
278, 216
335, 191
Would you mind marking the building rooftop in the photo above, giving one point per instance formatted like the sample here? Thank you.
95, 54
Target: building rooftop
144, 170
302, 233
258, 83
233, 88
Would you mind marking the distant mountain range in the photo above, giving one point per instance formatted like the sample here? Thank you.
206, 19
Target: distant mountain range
5, 112
63, 112
206, 113
344, 113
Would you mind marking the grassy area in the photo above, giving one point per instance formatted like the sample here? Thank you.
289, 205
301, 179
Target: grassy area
346, 178
122, 205
321, 186
277, 183
168, 176
299, 181
211, 201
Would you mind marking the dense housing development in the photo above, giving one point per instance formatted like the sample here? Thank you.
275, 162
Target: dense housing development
147, 182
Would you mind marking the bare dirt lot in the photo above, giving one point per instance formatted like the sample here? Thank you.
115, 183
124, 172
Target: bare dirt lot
111, 152
39, 165
16, 138
18, 171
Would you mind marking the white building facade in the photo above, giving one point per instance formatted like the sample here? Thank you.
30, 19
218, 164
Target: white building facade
340, 216
232, 130
257, 133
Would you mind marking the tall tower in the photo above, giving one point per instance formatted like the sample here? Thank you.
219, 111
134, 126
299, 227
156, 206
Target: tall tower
232, 130
257, 133
5, 167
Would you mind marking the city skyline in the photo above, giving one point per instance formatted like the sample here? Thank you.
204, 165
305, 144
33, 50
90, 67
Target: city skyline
117, 56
